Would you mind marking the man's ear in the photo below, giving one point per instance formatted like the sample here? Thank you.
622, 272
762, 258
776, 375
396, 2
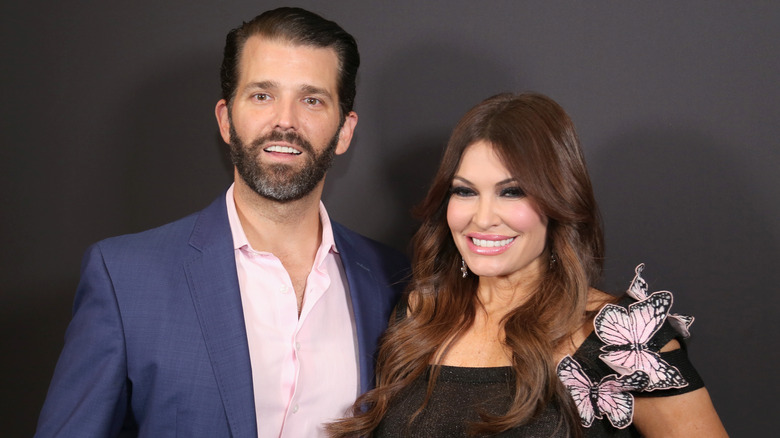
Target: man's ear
223, 120
347, 130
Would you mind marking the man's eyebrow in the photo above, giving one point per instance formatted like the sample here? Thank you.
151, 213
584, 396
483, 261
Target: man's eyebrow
311, 89
262, 85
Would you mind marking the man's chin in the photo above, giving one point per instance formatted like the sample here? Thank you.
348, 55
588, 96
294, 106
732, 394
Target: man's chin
282, 194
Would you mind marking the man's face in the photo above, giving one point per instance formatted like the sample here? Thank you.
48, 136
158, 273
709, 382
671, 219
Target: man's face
283, 127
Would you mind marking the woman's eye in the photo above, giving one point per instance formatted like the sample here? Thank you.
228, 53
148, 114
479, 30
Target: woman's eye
512, 192
462, 191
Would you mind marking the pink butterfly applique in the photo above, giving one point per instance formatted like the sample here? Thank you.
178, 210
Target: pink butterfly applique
626, 333
638, 291
610, 397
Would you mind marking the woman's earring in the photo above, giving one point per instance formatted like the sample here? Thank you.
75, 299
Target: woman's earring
464, 270
553, 259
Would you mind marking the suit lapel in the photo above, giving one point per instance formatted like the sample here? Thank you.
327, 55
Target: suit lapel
369, 305
214, 288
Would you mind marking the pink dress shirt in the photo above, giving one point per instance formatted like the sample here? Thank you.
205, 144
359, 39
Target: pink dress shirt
304, 369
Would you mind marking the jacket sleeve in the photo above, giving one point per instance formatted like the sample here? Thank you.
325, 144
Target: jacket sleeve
88, 394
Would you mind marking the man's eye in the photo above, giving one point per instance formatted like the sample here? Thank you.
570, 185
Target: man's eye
312, 101
462, 191
512, 192
260, 96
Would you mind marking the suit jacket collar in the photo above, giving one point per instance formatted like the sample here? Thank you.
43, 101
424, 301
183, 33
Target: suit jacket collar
368, 306
213, 284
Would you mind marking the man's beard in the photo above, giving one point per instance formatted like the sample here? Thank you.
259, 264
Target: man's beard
280, 182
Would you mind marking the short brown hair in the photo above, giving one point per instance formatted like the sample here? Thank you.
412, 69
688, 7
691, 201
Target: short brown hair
297, 26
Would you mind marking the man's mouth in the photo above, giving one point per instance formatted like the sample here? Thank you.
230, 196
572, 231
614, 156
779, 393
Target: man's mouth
282, 150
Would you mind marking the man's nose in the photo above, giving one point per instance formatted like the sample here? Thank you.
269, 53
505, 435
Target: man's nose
286, 114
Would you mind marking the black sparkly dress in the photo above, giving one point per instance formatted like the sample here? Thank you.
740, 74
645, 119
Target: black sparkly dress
626, 337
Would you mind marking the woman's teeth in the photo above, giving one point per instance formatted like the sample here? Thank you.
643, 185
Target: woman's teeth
491, 243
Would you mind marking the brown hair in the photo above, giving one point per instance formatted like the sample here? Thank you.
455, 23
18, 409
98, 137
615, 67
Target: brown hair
536, 141
301, 27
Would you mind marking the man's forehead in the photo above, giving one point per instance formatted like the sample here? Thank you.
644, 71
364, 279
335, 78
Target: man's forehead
254, 43
259, 51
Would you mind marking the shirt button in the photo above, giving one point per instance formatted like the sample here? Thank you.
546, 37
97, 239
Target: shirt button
283, 289
297, 345
295, 409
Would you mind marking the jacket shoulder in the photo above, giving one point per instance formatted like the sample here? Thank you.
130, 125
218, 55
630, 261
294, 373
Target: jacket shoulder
165, 236
367, 248
201, 229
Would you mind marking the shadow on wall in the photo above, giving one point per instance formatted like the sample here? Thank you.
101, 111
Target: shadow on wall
33, 331
426, 89
152, 154
177, 162
679, 202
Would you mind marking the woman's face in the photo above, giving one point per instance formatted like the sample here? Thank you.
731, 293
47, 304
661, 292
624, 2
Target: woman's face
497, 229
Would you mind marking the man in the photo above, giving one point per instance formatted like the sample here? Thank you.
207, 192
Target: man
257, 316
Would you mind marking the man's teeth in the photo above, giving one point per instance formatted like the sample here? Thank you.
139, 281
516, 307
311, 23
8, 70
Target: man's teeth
282, 149
492, 243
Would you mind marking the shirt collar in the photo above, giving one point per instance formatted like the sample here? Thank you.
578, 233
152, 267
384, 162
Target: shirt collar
240, 242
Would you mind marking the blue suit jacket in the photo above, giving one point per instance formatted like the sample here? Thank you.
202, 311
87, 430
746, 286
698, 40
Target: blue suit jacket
157, 341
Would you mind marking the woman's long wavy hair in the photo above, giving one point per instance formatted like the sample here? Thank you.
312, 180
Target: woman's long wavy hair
536, 141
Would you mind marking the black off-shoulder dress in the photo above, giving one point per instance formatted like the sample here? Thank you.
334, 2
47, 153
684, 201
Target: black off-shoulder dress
627, 337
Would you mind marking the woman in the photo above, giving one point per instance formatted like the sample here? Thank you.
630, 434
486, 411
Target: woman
503, 332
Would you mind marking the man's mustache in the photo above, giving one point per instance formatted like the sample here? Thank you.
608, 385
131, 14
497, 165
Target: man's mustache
287, 137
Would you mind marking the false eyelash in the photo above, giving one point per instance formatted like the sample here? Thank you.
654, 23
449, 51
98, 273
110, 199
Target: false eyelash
520, 193
461, 191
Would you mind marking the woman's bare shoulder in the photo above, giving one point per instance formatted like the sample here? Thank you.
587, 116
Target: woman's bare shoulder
598, 299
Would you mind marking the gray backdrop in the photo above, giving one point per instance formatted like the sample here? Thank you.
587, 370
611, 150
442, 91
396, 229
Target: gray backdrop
108, 128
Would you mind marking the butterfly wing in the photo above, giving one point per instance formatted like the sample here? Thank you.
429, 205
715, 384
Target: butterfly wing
648, 315
632, 327
579, 385
626, 333
638, 288
615, 401
661, 374
613, 325
681, 323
